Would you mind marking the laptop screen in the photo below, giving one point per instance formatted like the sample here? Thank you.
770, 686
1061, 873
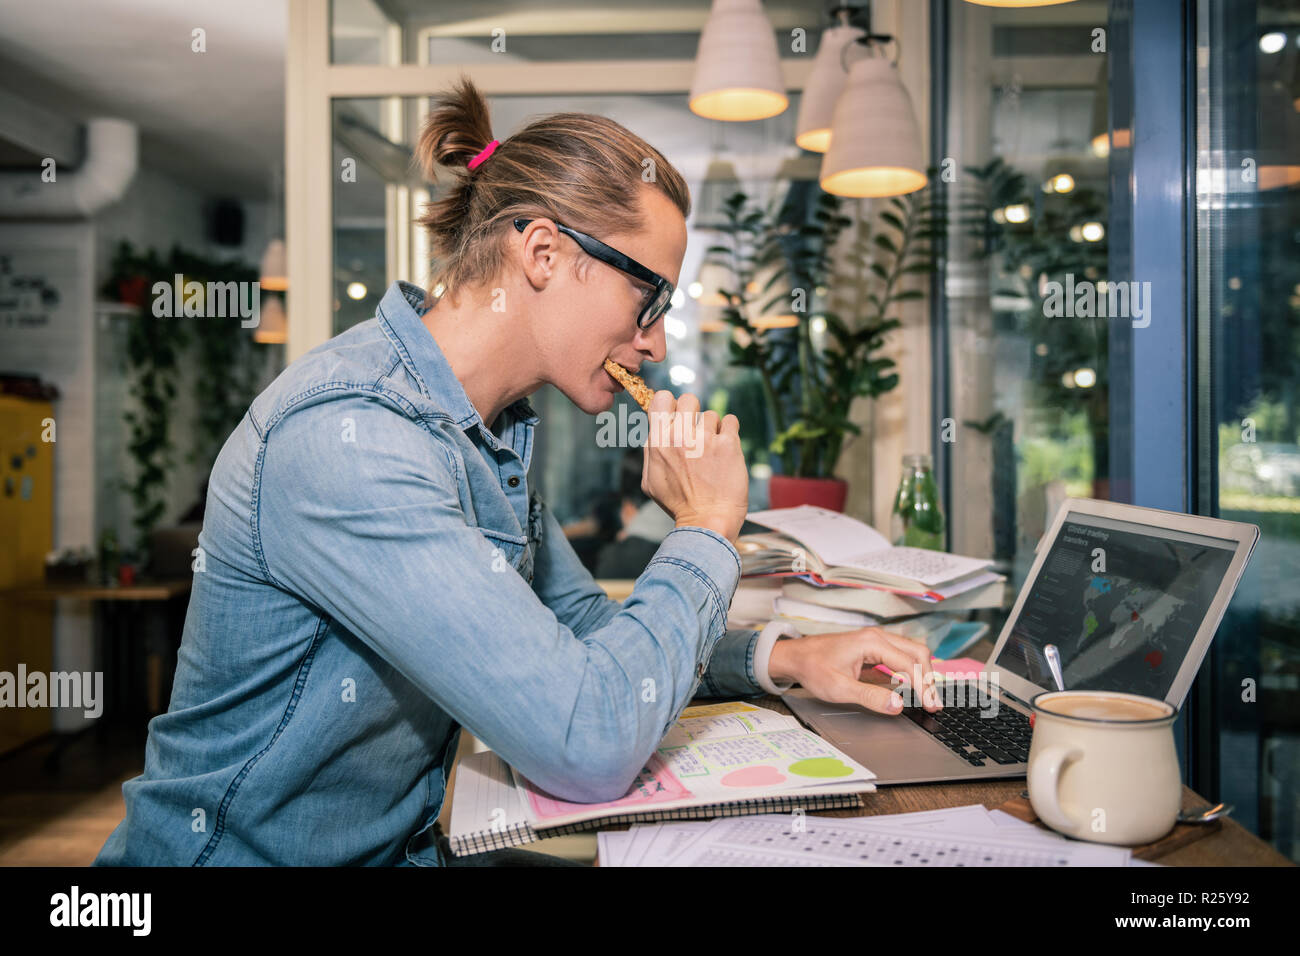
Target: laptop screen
1122, 602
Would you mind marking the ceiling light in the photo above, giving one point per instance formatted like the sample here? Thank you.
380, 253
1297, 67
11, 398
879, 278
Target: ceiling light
875, 142
737, 66
1018, 3
681, 375
1272, 42
273, 325
275, 267
825, 83
775, 321
1060, 183
1017, 213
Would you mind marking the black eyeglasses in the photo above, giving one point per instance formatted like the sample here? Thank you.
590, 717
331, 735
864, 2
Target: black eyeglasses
658, 302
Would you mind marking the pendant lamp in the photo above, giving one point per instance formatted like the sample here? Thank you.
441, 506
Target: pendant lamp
737, 67
273, 325
875, 145
825, 83
275, 267
1018, 3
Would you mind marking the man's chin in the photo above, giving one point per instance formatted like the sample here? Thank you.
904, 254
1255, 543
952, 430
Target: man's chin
593, 401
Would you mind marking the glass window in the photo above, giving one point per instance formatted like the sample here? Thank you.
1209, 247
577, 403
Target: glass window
1248, 223
1028, 417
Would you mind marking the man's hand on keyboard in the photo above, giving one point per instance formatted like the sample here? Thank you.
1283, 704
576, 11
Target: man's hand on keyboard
831, 666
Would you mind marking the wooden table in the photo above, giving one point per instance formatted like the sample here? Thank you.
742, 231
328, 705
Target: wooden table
161, 590
119, 629
1231, 845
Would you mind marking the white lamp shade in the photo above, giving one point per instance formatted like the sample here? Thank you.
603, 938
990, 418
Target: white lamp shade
720, 183
273, 324
875, 141
1018, 3
275, 267
715, 277
825, 83
737, 67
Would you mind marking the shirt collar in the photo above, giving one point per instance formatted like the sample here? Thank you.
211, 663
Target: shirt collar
399, 313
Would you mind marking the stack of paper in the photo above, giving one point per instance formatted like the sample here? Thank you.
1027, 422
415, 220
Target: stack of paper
960, 836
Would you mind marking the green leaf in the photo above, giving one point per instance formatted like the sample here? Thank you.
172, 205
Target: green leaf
893, 220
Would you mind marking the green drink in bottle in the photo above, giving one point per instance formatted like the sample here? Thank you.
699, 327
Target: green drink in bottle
917, 521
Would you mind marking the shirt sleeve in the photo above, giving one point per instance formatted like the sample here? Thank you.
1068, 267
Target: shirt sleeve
737, 666
372, 531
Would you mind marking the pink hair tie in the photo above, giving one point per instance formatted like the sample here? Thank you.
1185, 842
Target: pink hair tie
487, 151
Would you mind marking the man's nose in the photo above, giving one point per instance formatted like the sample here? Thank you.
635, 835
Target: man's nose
653, 341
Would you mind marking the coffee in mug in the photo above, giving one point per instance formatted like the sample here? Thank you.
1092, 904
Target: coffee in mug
1106, 707
1103, 766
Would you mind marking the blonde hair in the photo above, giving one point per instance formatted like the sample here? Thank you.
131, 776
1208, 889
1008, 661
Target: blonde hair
579, 169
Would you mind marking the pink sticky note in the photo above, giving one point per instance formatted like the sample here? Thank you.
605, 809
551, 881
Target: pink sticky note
958, 665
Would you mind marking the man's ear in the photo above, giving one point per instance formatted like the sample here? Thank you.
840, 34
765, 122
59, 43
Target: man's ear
539, 253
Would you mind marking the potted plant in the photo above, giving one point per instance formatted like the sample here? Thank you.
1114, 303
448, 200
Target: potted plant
814, 361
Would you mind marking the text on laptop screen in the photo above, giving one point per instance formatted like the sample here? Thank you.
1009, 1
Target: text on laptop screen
1122, 603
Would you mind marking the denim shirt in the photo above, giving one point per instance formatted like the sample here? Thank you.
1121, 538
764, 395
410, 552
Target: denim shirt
373, 575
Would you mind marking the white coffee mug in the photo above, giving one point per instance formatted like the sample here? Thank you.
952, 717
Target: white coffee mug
1103, 766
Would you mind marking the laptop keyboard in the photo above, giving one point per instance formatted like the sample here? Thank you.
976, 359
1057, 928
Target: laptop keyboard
973, 735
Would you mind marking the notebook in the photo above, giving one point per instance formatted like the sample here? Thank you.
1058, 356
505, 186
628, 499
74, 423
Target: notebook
987, 591
827, 547
718, 760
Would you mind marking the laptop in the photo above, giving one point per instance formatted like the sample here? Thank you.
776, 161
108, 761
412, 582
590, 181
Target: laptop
1130, 597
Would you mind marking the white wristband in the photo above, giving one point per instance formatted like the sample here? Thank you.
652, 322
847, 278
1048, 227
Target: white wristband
767, 638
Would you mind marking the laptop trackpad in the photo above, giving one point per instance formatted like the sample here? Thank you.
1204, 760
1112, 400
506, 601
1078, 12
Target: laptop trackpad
849, 729
892, 747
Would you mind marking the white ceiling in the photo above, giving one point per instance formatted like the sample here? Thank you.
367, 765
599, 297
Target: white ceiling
214, 120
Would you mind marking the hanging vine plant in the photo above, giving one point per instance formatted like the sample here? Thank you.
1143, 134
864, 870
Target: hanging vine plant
157, 351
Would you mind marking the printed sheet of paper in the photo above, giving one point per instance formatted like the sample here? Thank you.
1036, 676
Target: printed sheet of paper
825, 841
957, 836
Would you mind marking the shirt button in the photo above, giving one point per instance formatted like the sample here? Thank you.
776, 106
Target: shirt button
513, 481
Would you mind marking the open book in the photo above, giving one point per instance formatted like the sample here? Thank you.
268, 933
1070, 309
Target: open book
829, 548
724, 759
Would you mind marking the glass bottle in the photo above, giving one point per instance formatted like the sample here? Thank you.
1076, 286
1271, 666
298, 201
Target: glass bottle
917, 521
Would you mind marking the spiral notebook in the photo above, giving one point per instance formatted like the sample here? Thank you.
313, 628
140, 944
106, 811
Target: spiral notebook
718, 760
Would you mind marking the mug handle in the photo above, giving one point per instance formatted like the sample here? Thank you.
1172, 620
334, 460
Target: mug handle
1044, 779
